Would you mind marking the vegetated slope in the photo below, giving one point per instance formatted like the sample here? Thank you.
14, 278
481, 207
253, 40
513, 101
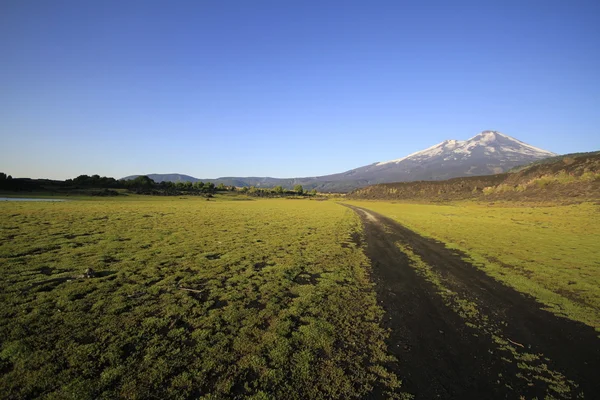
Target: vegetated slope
567, 178
485, 153
551, 160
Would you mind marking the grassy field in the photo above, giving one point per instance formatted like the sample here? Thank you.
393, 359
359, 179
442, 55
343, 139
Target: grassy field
190, 298
550, 252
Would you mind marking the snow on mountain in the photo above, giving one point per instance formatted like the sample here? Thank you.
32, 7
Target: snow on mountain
489, 152
491, 143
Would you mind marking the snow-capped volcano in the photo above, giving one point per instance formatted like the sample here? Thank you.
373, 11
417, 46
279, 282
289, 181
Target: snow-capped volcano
487, 143
489, 152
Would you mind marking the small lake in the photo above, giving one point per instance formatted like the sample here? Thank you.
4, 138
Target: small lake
26, 199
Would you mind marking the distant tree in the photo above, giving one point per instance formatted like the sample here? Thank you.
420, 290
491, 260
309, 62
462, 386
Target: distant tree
96, 181
278, 189
167, 185
298, 189
199, 186
82, 180
209, 187
244, 189
221, 187
6, 182
143, 182
313, 192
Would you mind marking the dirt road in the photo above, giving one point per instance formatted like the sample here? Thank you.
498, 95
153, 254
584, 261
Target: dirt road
467, 336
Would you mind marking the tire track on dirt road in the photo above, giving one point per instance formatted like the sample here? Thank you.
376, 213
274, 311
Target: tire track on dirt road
503, 346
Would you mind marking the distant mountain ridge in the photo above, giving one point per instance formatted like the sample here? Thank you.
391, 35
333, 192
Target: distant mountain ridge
165, 178
489, 152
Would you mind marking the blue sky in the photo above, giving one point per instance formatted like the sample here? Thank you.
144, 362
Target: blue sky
286, 88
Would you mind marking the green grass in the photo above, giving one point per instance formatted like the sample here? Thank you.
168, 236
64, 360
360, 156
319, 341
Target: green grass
552, 253
192, 298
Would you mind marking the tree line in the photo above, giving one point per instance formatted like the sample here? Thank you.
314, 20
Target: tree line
145, 185
277, 191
